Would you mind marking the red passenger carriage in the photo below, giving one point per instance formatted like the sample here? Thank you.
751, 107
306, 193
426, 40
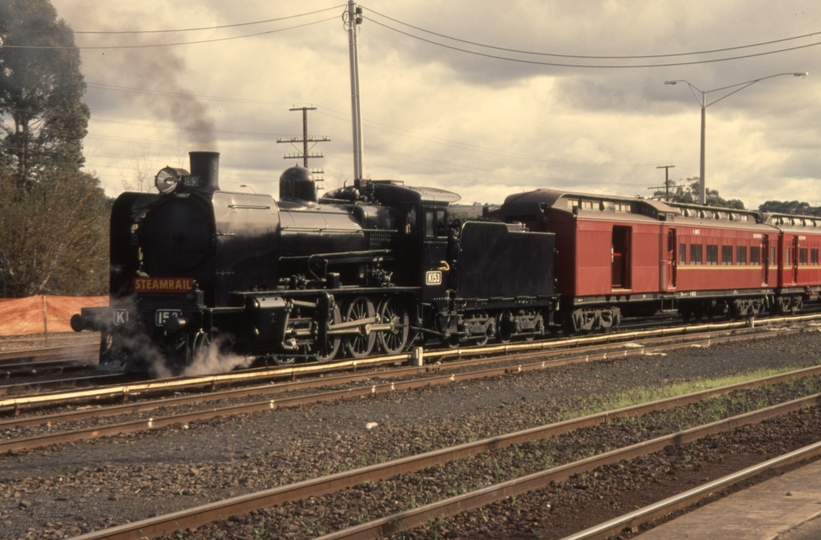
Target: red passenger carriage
621, 256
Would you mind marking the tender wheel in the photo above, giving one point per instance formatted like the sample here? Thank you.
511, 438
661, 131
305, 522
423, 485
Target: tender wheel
393, 311
327, 351
505, 326
360, 345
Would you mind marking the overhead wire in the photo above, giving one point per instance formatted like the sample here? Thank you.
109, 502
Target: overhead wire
594, 57
590, 66
218, 27
154, 45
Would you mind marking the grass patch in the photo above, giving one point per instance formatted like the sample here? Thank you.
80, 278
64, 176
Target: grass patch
644, 394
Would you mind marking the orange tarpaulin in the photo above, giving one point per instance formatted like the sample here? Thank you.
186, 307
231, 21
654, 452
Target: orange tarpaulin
42, 314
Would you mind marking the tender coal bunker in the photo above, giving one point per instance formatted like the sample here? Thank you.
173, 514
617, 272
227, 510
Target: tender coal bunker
178, 236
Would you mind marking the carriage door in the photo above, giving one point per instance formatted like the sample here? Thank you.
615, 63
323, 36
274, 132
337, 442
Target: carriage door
435, 265
765, 258
795, 259
620, 258
672, 263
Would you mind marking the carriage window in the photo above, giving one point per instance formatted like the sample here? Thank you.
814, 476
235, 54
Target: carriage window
772, 255
682, 254
695, 254
802, 256
741, 255
814, 256
726, 255
755, 255
788, 257
712, 254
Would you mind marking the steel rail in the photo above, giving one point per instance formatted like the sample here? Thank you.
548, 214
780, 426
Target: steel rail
219, 510
621, 336
404, 521
189, 382
39, 441
690, 497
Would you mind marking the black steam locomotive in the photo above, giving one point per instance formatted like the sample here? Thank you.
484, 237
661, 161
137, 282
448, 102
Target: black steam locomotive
377, 266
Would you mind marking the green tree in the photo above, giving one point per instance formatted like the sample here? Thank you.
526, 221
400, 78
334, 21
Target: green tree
53, 217
791, 207
689, 194
43, 118
53, 240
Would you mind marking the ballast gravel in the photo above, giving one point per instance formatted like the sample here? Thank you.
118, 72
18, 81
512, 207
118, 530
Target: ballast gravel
68, 489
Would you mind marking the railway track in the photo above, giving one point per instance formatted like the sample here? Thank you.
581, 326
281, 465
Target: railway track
20, 395
49, 354
133, 417
647, 514
55, 435
451, 506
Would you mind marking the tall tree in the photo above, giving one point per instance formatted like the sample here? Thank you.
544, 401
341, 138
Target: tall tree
791, 207
688, 194
43, 118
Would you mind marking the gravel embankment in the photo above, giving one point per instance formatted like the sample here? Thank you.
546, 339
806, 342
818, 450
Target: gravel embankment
65, 490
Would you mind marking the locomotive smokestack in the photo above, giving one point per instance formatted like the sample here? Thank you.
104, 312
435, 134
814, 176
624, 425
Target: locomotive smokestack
206, 165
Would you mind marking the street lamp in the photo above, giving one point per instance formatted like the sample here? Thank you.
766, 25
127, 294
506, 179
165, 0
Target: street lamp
249, 187
738, 87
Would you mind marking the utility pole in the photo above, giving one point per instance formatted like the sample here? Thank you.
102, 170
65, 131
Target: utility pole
352, 19
305, 139
667, 185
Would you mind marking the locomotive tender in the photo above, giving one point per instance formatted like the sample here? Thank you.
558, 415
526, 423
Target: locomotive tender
373, 266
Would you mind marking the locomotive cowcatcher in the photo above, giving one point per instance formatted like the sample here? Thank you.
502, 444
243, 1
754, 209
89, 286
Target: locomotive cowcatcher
375, 266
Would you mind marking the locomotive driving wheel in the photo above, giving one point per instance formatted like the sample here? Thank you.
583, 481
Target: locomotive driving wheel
202, 342
361, 344
393, 312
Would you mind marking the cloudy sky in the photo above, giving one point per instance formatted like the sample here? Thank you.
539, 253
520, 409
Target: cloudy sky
482, 98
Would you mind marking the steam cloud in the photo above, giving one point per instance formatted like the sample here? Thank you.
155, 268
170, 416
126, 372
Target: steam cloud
158, 71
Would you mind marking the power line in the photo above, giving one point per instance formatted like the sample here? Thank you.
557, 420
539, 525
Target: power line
206, 27
153, 45
592, 57
591, 66
345, 116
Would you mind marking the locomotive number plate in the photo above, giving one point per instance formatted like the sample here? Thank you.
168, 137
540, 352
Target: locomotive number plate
162, 315
120, 317
433, 277
163, 285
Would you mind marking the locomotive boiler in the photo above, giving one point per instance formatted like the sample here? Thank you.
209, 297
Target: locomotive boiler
376, 266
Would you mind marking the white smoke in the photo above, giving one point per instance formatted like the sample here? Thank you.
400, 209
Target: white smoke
211, 360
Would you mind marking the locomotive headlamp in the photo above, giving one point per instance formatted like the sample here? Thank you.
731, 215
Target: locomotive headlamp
168, 178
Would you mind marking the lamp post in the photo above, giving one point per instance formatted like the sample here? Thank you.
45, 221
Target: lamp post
738, 87
248, 187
